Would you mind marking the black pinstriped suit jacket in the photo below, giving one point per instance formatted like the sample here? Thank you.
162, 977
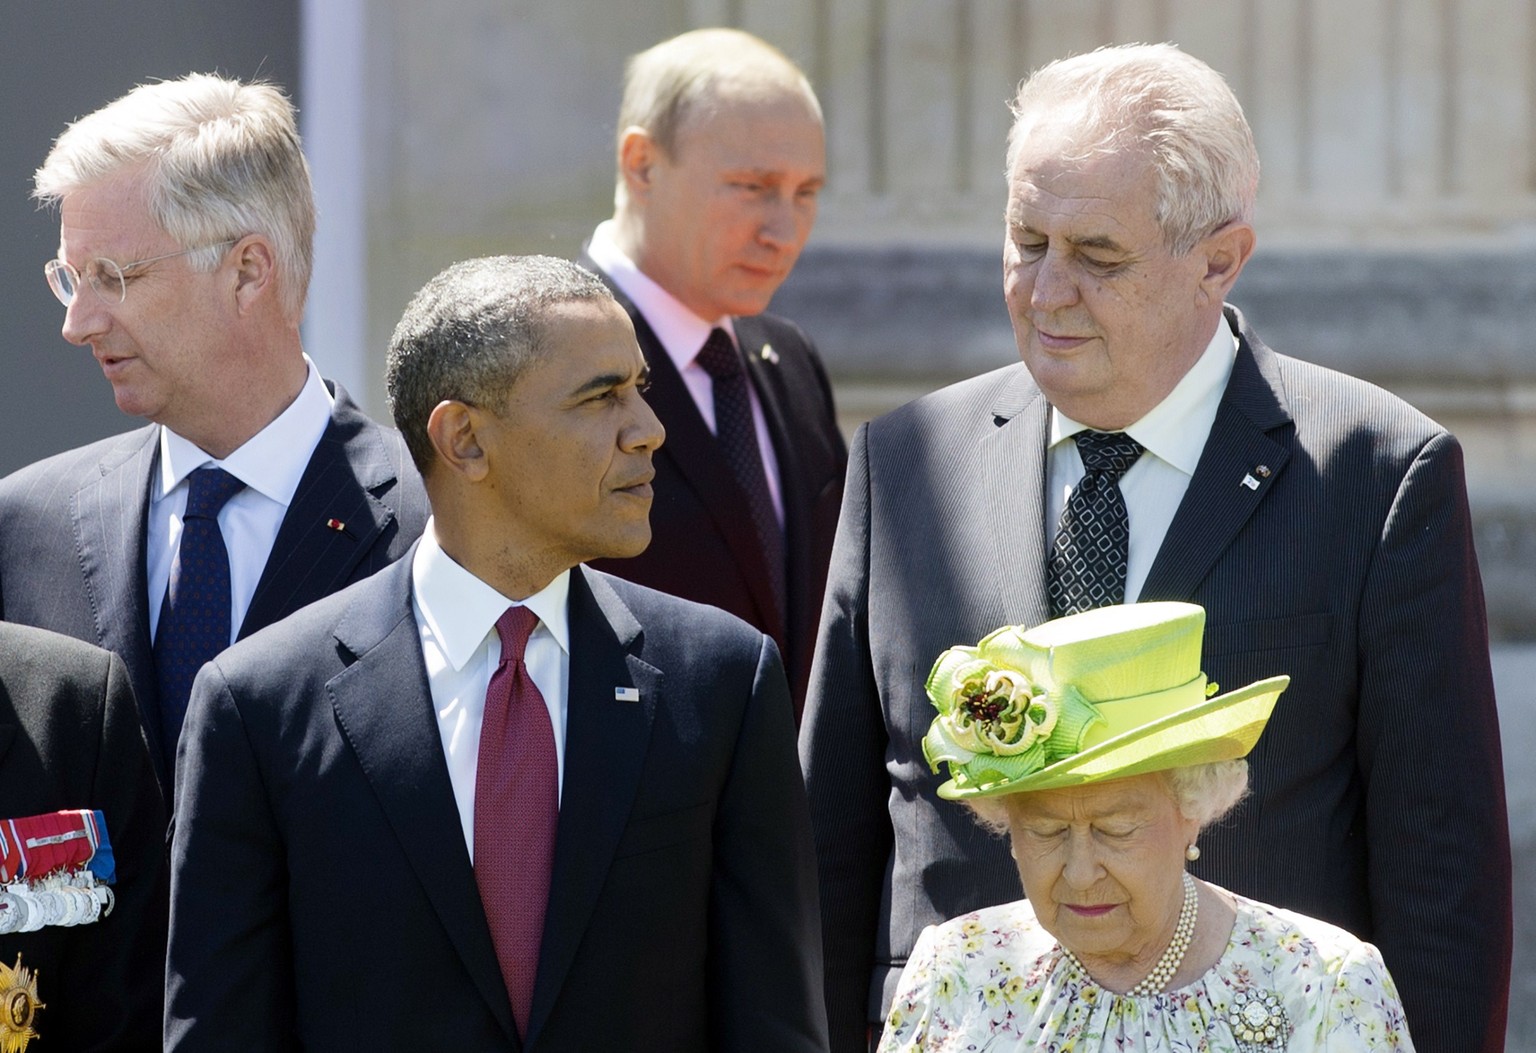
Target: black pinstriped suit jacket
1378, 794
73, 528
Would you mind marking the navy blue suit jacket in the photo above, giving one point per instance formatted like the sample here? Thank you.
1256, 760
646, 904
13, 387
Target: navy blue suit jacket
323, 895
1377, 789
73, 528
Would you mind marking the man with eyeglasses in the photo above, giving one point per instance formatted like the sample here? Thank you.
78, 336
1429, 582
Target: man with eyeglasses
187, 221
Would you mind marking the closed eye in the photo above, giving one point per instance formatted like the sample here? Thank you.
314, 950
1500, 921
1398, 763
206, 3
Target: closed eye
1045, 833
1117, 833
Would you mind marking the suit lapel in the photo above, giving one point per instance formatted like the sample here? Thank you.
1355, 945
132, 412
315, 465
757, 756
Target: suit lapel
332, 522
605, 749
1011, 464
767, 379
111, 513
383, 706
692, 448
1238, 467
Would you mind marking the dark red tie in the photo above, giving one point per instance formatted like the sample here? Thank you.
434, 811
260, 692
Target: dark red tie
517, 806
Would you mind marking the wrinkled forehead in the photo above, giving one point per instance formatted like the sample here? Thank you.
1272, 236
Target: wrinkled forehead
1113, 194
1136, 796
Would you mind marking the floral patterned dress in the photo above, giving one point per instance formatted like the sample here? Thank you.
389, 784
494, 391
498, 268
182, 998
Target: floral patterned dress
995, 981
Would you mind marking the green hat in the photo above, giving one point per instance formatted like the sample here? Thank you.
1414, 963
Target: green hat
1101, 695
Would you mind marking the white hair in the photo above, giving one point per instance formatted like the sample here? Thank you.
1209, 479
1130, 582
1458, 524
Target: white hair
221, 160
1156, 98
1201, 792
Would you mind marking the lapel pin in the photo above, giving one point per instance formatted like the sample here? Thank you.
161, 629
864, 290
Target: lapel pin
336, 524
626, 694
769, 355
1262, 471
1250, 482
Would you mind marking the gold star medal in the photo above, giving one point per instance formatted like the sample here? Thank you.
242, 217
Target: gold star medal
18, 1007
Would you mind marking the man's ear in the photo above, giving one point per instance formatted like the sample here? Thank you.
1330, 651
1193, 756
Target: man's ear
1226, 251
255, 270
452, 429
638, 154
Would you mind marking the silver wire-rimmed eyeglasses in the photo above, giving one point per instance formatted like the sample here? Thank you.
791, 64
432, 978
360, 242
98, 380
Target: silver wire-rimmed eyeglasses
107, 278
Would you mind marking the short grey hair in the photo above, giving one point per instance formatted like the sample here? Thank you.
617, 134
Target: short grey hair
222, 160
471, 331
1159, 99
1201, 792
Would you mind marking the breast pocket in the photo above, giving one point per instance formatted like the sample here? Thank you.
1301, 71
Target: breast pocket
666, 829
1268, 634
1238, 653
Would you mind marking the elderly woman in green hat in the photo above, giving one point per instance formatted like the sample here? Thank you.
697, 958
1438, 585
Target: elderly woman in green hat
1096, 744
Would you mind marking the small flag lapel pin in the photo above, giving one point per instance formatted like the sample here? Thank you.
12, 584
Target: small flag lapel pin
1260, 471
626, 694
769, 355
336, 525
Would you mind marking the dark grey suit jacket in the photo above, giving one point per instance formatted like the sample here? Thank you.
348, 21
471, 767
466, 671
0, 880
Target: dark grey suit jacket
703, 544
322, 892
70, 738
73, 527
1378, 795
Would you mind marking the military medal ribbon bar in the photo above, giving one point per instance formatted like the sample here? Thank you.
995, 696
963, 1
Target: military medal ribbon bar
38, 845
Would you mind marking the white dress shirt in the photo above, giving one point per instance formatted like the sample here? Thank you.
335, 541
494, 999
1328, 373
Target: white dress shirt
1173, 433
683, 333
270, 464
456, 616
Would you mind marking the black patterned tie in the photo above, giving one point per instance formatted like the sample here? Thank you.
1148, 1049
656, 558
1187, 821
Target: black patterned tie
194, 619
737, 435
1088, 559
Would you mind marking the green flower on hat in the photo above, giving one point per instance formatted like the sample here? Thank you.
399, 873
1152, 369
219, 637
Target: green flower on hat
995, 723
1105, 694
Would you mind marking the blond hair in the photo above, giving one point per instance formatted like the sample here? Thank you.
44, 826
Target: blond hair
221, 160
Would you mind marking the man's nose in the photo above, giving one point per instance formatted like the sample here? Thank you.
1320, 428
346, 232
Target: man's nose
85, 318
1053, 286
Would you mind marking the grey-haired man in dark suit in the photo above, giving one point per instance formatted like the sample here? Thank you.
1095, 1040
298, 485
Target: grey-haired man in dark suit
1320, 521
186, 229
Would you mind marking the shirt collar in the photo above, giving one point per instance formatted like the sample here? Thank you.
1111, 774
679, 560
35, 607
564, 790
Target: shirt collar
681, 332
270, 462
461, 610
1175, 430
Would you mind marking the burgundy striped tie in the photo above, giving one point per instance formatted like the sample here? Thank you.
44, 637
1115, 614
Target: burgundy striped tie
517, 806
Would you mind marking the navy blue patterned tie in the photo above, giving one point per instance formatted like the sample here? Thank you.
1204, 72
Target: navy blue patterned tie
1088, 559
737, 435
194, 619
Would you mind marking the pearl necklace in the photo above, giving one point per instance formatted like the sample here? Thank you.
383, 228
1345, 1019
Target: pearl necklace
1173, 957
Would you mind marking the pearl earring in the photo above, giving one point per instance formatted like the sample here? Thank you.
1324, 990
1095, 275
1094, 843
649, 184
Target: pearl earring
1192, 853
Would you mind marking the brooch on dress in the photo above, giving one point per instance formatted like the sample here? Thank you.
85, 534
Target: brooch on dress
1258, 1022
